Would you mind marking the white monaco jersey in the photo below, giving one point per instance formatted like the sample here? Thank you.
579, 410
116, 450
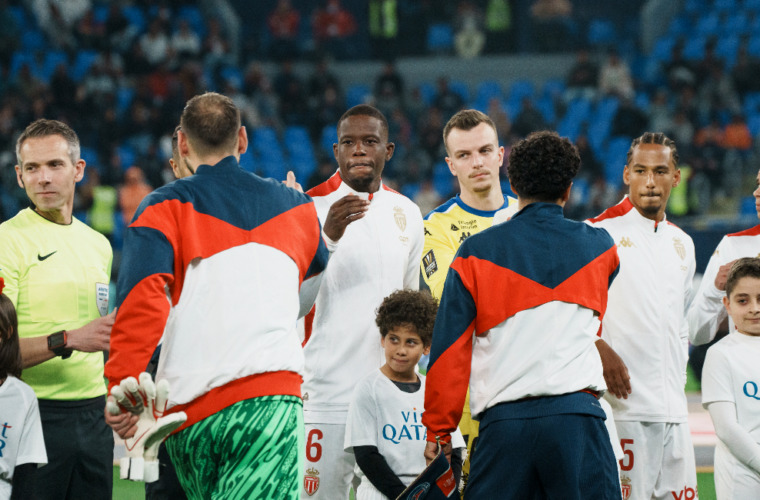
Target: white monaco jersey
377, 255
707, 311
645, 321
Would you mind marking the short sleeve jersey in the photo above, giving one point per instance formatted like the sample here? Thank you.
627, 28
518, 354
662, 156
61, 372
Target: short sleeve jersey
21, 440
384, 416
57, 276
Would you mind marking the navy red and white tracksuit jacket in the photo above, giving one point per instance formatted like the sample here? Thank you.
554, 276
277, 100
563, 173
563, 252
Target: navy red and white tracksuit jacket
220, 264
519, 315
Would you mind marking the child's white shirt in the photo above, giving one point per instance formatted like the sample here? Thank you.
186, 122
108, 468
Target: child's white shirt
731, 374
382, 415
21, 440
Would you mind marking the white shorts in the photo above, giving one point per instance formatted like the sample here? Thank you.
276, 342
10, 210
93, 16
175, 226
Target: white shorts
658, 461
329, 470
733, 479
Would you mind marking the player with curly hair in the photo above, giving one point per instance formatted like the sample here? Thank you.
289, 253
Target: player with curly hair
384, 428
518, 322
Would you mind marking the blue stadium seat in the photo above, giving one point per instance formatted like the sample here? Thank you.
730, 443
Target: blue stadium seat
747, 206
708, 24
601, 33
680, 26
695, 6
100, 12
725, 5
427, 90
545, 106
521, 89
735, 24
459, 87
615, 159
410, 190
32, 39
553, 88
233, 75
19, 59
90, 157
136, 17
327, 138
127, 156
51, 62
728, 49
82, 62
440, 38
694, 48
753, 47
19, 14
488, 89
753, 123
663, 48
248, 161
357, 94
124, 96
192, 14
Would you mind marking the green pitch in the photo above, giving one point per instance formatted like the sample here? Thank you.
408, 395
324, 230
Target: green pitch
130, 490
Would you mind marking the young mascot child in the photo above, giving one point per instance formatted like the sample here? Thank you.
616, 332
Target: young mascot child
384, 429
22, 447
730, 387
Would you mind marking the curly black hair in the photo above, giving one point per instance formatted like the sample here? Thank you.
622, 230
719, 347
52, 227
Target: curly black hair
408, 308
542, 166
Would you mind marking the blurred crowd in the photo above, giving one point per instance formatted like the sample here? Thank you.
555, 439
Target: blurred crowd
121, 80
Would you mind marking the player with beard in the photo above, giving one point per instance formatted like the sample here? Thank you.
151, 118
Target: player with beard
380, 233
646, 325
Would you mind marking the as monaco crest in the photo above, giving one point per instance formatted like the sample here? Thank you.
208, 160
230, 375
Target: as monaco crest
680, 249
311, 481
400, 216
625, 486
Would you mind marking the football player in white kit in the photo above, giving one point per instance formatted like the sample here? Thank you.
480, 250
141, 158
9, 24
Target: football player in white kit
380, 235
707, 312
646, 325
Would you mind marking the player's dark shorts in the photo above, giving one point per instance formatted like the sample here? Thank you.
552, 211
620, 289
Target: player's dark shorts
252, 449
551, 447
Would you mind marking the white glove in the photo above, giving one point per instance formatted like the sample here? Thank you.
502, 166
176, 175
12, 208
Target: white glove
148, 401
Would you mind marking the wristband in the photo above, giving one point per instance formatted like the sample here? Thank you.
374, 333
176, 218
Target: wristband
57, 343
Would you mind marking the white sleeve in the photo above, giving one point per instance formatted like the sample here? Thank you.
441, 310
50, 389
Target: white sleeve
307, 295
733, 435
31, 448
716, 377
707, 311
412, 275
361, 424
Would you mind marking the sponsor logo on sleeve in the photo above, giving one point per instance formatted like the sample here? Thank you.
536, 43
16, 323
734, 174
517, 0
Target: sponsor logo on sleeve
429, 263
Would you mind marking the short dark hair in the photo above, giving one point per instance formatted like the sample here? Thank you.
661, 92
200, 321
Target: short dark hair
742, 268
45, 128
10, 352
366, 110
410, 308
175, 143
466, 119
542, 166
654, 138
211, 122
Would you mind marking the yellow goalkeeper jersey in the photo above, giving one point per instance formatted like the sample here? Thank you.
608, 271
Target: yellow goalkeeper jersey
446, 228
